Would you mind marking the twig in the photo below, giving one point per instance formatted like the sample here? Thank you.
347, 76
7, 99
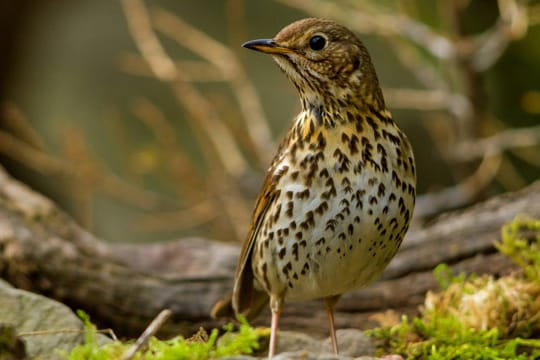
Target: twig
150, 331
193, 70
178, 163
425, 100
381, 23
493, 145
188, 96
109, 332
202, 212
459, 194
512, 24
13, 119
44, 163
223, 58
509, 177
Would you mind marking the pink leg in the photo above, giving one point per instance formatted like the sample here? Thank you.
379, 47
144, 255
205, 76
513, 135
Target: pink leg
330, 303
275, 306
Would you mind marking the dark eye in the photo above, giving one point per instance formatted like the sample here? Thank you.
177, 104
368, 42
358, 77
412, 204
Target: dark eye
317, 42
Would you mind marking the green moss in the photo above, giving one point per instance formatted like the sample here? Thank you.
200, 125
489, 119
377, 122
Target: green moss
520, 240
478, 317
199, 347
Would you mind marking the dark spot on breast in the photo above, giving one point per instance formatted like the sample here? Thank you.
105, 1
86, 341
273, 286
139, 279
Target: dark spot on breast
323, 206
295, 251
382, 190
286, 268
395, 178
343, 162
290, 207
309, 218
401, 204
353, 144
303, 194
321, 141
323, 173
305, 268
384, 164
330, 225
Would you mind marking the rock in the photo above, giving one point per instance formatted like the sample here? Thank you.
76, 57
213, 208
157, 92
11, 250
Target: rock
307, 355
51, 322
353, 344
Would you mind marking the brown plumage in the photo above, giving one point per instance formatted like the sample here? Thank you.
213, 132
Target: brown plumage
339, 195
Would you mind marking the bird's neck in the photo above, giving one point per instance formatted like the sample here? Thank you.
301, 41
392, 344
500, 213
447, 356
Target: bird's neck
321, 114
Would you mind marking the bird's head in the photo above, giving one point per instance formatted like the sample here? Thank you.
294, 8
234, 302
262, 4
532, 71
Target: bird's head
325, 61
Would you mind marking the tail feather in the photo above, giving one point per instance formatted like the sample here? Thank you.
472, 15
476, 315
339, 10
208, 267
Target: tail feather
223, 309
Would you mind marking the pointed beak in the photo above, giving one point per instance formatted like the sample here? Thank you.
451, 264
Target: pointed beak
267, 46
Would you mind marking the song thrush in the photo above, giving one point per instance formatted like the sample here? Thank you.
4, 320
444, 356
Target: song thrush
339, 195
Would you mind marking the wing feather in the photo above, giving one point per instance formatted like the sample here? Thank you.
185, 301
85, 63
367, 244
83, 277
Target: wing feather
246, 298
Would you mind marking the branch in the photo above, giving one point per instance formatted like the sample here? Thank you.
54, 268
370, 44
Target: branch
496, 144
380, 22
225, 147
224, 59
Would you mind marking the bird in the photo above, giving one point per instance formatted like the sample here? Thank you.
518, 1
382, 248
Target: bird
339, 195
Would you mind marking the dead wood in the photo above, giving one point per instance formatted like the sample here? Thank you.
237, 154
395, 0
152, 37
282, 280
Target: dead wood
125, 286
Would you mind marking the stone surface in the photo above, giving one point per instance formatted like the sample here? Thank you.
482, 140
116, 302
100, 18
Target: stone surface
353, 344
54, 326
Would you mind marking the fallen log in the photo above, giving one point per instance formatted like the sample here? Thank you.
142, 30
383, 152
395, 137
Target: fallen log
124, 286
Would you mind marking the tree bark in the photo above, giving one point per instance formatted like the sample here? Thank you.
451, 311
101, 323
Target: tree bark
125, 286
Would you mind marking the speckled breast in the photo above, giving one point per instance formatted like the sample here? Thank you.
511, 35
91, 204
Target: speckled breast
344, 202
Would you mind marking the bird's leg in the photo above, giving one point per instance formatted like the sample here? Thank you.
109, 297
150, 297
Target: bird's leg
329, 303
276, 303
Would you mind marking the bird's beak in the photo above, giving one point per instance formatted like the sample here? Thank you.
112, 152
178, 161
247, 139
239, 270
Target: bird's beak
268, 46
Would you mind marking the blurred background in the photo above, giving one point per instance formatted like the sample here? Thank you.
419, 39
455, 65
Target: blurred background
147, 121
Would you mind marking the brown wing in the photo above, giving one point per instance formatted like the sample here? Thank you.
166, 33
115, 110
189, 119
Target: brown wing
246, 299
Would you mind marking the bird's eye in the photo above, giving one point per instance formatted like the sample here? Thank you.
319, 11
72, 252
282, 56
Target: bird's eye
317, 42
